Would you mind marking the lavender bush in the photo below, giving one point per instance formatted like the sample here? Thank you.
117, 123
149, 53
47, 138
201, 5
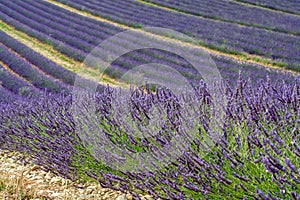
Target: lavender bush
256, 157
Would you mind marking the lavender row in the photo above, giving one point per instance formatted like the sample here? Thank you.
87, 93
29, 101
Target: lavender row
55, 34
283, 5
6, 96
237, 13
14, 84
228, 69
63, 48
280, 47
71, 19
54, 29
94, 34
28, 72
257, 160
152, 56
79, 44
38, 60
71, 47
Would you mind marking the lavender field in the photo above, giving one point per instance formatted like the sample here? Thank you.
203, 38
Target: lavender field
233, 136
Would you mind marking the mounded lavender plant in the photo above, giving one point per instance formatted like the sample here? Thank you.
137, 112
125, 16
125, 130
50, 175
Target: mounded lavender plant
256, 157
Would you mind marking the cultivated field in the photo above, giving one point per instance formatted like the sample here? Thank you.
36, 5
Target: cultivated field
82, 99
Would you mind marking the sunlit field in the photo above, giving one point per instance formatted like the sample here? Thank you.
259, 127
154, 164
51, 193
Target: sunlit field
150, 99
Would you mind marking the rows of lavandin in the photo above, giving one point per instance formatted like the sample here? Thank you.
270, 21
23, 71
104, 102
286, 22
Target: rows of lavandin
28, 72
284, 5
38, 60
151, 56
227, 72
228, 69
83, 34
65, 49
256, 157
80, 41
80, 33
14, 84
252, 40
65, 17
237, 13
53, 29
89, 32
6, 96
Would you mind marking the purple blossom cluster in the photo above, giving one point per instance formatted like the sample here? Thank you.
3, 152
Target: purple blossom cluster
237, 13
257, 156
39, 128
